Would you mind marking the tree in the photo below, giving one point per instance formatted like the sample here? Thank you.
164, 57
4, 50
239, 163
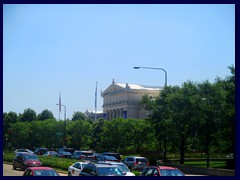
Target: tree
45, 114
78, 116
79, 134
28, 115
97, 130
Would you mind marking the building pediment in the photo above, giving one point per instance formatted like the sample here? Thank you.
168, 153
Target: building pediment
112, 89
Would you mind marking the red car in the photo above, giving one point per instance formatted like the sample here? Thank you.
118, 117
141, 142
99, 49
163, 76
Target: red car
161, 171
40, 171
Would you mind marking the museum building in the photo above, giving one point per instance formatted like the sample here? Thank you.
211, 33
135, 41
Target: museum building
124, 100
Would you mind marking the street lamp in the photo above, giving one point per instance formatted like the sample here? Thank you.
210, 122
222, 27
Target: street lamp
64, 121
156, 69
165, 85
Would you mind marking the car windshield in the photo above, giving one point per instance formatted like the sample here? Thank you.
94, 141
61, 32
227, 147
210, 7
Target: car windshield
45, 173
171, 172
110, 158
123, 167
109, 171
30, 157
66, 153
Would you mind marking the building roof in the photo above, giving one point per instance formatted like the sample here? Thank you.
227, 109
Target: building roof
136, 86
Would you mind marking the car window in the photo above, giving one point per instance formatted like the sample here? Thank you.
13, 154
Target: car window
141, 160
148, 172
130, 159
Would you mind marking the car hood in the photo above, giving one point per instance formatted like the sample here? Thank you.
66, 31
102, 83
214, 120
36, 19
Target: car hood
32, 162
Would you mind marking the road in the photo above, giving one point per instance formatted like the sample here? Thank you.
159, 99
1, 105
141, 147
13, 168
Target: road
8, 171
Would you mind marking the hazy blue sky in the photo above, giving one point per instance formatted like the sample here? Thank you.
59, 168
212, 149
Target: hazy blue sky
67, 48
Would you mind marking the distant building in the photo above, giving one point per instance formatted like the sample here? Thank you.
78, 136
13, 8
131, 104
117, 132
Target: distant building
123, 100
91, 114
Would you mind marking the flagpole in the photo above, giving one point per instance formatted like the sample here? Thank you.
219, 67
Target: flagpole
96, 102
59, 103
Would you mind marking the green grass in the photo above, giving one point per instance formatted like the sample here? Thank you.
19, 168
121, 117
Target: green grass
212, 164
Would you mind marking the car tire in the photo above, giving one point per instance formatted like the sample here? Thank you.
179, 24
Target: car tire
69, 174
14, 167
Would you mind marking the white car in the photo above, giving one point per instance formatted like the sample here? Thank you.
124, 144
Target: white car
76, 168
23, 150
121, 166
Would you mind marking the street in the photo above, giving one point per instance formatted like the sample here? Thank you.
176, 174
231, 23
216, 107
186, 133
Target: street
8, 171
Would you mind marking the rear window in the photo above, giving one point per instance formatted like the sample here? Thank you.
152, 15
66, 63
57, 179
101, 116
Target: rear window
87, 154
113, 154
141, 160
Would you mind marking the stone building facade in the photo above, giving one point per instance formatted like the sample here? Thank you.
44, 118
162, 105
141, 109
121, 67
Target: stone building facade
123, 100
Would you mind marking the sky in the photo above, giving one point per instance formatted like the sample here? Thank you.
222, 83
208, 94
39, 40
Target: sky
67, 48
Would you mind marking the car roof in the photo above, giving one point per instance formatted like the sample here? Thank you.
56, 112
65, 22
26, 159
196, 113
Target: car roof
80, 162
109, 153
101, 165
136, 157
110, 162
25, 153
162, 167
82, 151
40, 168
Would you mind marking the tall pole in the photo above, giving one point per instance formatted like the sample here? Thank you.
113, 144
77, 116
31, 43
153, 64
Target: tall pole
96, 103
165, 85
59, 103
65, 134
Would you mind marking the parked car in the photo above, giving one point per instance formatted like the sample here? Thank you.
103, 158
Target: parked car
161, 171
24, 160
122, 166
50, 153
40, 171
40, 151
96, 155
116, 155
67, 149
64, 154
93, 169
76, 168
107, 158
23, 150
136, 163
83, 155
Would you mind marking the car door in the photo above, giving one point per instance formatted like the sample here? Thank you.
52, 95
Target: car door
76, 169
19, 161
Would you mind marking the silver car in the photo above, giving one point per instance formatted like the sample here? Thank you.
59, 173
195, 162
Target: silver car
136, 163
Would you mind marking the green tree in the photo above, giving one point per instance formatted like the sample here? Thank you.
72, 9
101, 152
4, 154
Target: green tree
78, 116
45, 114
28, 115
79, 132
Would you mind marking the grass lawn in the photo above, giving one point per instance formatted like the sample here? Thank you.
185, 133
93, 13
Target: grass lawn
212, 164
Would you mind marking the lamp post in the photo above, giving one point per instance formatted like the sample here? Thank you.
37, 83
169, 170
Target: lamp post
207, 133
64, 122
155, 69
165, 85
